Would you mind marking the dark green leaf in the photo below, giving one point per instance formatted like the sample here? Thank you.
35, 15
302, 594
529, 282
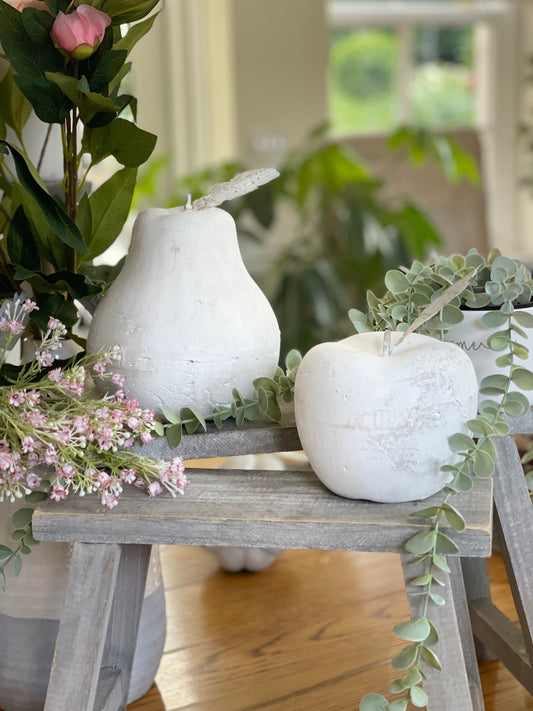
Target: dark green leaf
21, 243
37, 24
122, 11
17, 565
21, 518
129, 144
170, 416
110, 205
57, 306
135, 33
36, 497
55, 217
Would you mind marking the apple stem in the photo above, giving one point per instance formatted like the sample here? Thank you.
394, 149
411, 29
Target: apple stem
387, 345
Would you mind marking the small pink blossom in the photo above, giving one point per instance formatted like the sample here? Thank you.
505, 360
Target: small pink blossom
58, 493
17, 398
154, 488
120, 395
44, 358
33, 397
37, 419
102, 413
32, 480
132, 406
81, 423
103, 479
50, 456
146, 437
115, 353
16, 327
128, 476
4, 325
109, 499
117, 415
6, 459
33, 459
66, 471
55, 375
80, 32
100, 367
63, 435
118, 379
148, 415
28, 306
53, 323
133, 423
76, 388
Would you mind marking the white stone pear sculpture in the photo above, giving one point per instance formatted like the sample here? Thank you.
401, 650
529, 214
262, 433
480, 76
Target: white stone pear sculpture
191, 321
376, 425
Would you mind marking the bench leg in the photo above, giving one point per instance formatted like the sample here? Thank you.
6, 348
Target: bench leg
458, 685
82, 629
125, 615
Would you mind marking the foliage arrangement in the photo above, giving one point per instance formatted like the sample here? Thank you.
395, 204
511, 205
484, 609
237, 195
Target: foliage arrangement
271, 393
67, 62
56, 438
346, 234
500, 283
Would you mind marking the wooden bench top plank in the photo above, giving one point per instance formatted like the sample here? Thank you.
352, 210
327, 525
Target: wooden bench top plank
284, 509
251, 438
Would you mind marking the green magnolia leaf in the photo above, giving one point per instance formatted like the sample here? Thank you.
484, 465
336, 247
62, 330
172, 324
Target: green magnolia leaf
89, 103
15, 109
421, 542
110, 205
522, 378
37, 24
418, 697
413, 630
57, 306
129, 144
135, 33
460, 442
405, 658
106, 70
121, 11
21, 518
21, 242
454, 517
173, 435
374, 702
56, 218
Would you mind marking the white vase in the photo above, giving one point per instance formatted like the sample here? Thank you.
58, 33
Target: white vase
192, 323
376, 427
472, 336
30, 609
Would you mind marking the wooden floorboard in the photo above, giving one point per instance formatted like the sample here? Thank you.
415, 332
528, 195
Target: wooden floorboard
311, 633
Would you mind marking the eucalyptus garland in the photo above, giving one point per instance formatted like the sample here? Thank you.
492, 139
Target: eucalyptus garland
500, 282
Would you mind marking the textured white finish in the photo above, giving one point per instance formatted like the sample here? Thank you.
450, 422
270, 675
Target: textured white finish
472, 336
376, 427
191, 321
241, 184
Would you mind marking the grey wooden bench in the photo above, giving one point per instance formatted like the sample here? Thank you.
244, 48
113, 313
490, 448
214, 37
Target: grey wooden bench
288, 510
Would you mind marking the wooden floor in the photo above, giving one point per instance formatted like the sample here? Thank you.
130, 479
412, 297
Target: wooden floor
311, 633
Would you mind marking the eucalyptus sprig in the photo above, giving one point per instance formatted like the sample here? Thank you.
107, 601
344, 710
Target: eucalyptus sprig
270, 392
475, 453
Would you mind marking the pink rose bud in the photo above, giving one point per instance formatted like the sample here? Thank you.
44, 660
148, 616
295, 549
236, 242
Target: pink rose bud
80, 32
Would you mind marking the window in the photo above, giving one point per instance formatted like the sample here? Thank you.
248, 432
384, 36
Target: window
410, 61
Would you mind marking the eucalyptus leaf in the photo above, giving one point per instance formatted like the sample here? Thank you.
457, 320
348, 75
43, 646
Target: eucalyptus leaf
36, 497
170, 416
494, 319
374, 702
460, 442
524, 318
431, 658
515, 404
406, 657
498, 341
454, 517
483, 464
522, 378
173, 435
398, 705
418, 697
17, 565
413, 630
445, 545
396, 281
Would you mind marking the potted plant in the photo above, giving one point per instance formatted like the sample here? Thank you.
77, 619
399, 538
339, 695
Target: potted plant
433, 299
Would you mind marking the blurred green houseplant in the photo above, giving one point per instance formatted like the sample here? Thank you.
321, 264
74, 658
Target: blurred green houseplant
347, 235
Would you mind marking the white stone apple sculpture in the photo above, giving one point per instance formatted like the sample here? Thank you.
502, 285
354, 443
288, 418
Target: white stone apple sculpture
191, 321
375, 425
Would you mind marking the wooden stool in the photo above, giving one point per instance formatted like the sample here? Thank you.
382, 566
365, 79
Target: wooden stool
272, 509
513, 526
